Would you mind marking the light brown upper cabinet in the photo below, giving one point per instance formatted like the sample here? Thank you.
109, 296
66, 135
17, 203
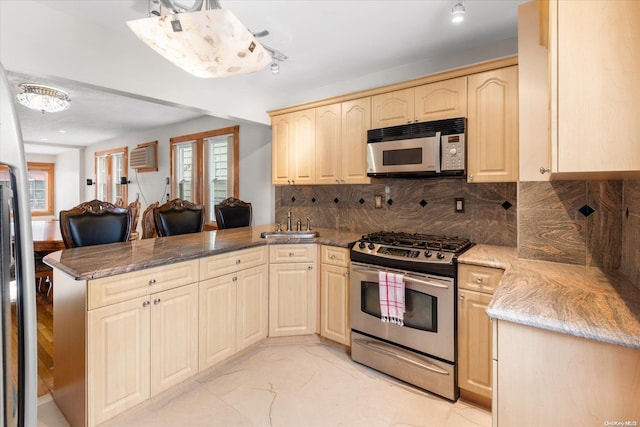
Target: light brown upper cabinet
434, 101
293, 148
492, 126
341, 142
594, 67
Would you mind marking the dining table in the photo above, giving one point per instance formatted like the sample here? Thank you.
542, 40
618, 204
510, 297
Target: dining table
46, 236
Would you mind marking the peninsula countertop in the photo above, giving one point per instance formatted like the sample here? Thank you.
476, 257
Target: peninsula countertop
93, 262
572, 299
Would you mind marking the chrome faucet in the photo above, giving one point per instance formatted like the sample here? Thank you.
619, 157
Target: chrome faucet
308, 224
289, 220
299, 225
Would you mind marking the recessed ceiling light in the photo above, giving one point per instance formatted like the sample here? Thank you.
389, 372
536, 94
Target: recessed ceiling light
457, 12
62, 131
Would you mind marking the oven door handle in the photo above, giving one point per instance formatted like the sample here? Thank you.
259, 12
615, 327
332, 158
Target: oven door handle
424, 282
406, 278
388, 351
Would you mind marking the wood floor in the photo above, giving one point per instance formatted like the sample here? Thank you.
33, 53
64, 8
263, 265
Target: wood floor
45, 342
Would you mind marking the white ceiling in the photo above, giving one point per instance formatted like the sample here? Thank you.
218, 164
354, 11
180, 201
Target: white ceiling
327, 42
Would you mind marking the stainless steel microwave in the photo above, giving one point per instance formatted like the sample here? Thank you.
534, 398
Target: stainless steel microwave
436, 148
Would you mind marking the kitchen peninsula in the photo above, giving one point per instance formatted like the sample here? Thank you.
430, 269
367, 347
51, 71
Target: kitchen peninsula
133, 320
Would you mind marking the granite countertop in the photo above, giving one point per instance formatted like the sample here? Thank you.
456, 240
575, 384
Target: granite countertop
577, 300
92, 262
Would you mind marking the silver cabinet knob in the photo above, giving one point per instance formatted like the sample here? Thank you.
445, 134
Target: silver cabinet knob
479, 279
235, 279
237, 261
152, 282
146, 304
470, 178
461, 297
310, 267
544, 170
291, 254
333, 256
156, 301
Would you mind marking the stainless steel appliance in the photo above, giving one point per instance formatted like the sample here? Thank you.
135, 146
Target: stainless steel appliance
422, 351
18, 359
434, 148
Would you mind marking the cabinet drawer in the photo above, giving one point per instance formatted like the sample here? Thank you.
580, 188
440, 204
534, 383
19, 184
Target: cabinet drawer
292, 253
123, 287
334, 256
219, 265
479, 278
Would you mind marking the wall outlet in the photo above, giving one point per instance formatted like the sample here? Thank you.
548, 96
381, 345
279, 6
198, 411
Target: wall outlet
378, 201
459, 204
167, 181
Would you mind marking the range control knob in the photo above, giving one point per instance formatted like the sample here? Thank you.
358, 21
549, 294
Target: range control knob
361, 245
440, 255
371, 246
427, 253
453, 151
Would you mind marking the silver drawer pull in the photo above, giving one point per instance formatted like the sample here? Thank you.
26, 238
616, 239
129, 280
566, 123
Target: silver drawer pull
333, 256
156, 301
235, 279
146, 304
479, 279
310, 268
291, 254
237, 261
152, 282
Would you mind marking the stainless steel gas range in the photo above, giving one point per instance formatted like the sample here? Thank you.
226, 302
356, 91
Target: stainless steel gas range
421, 351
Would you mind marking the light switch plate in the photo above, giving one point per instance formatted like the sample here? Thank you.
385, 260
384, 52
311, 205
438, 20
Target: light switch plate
459, 204
378, 201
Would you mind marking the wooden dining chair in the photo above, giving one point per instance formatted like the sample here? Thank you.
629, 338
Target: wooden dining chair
148, 222
95, 223
232, 213
135, 215
178, 217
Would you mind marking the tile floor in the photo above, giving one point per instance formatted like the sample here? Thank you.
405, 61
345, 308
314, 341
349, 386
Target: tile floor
300, 382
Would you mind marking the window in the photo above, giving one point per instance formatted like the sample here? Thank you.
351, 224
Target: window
110, 166
41, 182
204, 167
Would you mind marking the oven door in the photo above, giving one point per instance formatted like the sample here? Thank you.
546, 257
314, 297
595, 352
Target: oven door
429, 310
416, 155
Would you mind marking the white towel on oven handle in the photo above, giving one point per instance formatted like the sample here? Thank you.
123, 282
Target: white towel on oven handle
392, 304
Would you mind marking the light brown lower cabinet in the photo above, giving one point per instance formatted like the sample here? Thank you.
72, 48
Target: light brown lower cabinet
476, 285
293, 290
334, 294
139, 348
233, 314
550, 378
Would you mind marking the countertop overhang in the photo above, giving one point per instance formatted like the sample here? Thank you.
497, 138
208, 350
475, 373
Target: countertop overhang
93, 262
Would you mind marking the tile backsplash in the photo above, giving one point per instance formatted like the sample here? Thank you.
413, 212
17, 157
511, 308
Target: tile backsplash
591, 223
410, 205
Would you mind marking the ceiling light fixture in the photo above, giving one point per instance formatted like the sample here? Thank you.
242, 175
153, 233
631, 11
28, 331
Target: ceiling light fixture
457, 12
43, 98
210, 42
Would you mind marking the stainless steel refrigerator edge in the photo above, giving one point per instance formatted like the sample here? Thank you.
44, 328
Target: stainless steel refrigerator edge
18, 404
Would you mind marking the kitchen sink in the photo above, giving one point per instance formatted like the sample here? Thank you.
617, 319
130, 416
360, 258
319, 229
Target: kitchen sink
289, 234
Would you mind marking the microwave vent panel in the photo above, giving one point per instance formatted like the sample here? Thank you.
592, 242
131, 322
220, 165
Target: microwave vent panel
143, 157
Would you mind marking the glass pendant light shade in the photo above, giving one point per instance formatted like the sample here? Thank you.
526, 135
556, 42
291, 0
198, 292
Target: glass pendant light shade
43, 98
208, 43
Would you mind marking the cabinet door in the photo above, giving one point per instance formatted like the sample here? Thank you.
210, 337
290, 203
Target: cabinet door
281, 140
328, 144
356, 121
118, 349
252, 306
441, 100
595, 67
174, 337
474, 343
392, 108
492, 135
334, 304
217, 320
292, 299
304, 147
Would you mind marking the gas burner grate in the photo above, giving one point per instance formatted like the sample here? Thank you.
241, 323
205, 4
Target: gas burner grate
419, 241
